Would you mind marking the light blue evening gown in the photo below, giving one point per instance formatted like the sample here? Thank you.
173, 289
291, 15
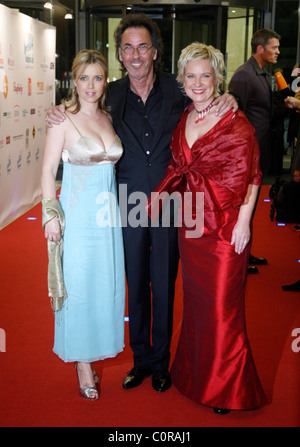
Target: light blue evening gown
90, 325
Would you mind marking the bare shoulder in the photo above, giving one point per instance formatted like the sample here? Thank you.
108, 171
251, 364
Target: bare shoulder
61, 135
106, 118
57, 129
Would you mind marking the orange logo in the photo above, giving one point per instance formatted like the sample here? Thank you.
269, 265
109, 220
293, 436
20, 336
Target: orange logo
5, 86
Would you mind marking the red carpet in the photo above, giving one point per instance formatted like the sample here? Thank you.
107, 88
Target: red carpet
38, 390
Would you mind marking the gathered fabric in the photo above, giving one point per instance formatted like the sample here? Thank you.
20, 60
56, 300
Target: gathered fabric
56, 287
235, 166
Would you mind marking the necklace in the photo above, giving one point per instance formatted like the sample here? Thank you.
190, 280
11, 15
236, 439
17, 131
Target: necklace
202, 113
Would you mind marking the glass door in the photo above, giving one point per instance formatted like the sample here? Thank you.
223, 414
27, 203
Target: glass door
225, 27
179, 26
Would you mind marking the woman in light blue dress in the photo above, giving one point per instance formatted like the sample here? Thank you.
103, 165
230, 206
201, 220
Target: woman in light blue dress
89, 317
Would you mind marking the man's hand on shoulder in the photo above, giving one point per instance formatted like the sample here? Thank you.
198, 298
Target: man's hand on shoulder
224, 103
55, 115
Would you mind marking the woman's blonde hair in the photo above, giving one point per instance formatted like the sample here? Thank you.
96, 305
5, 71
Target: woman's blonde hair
81, 61
199, 51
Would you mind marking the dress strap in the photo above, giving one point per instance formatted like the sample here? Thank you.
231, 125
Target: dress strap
67, 115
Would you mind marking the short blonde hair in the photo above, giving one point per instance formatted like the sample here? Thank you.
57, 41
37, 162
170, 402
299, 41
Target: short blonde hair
81, 61
199, 51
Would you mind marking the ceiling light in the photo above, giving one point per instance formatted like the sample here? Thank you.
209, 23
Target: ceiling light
68, 16
48, 5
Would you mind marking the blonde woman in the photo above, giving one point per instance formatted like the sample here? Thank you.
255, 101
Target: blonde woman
219, 157
89, 317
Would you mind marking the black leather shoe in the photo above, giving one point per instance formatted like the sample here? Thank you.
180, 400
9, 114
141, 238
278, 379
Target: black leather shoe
135, 377
253, 260
295, 287
221, 411
252, 269
161, 380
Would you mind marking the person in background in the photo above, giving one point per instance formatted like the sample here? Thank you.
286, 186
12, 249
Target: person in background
146, 105
251, 83
294, 103
88, 286
217, 156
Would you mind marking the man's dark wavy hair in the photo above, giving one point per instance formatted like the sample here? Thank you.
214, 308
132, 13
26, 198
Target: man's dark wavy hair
138, 21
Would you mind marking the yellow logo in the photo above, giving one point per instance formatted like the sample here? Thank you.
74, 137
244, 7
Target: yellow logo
5, 86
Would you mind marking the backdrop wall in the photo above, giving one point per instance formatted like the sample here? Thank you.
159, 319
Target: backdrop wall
27, 89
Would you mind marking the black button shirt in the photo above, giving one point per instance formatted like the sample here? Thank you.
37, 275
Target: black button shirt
143, 119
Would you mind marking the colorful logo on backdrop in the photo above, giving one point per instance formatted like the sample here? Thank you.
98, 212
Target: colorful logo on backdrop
3, 83
10, 59
17, 88
28, 47
5, 87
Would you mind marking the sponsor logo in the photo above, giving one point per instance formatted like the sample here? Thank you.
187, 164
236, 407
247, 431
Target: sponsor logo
28, 48
10, 59
40, 87
27, 138
18, 137
17, 88
40, 111
16, 113
19, 162
8, 166
5, 86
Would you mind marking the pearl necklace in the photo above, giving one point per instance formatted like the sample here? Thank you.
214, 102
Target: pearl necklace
202, 113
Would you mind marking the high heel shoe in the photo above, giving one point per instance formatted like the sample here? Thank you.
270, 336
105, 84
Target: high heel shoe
88, 392
221, 411
96, 377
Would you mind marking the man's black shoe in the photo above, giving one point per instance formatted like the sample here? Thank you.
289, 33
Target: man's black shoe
252, 269
253, 260
135, 377
161, 380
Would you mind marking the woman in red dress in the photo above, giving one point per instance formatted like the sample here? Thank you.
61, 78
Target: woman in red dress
219, 157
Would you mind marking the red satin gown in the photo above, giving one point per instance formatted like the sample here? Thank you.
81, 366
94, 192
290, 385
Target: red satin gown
213, 364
